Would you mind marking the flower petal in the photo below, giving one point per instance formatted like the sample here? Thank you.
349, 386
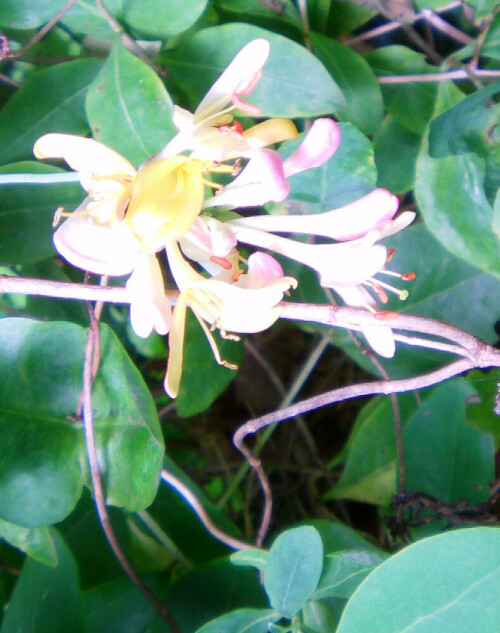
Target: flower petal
100, 250
270, 132
239, 73
262, 270
343, 263
176, 348
261, 181
84, 155
149, 306
320, 143
345, 223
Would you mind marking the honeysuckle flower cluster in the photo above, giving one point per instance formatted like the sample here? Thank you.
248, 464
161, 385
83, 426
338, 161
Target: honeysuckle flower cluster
170, 204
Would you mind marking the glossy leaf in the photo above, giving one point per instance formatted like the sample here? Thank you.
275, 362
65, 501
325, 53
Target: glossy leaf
300, 88
46, 599
391, 140
481, 410
293, 569
337, 536
27, 213
250, 558
364, 107
491, 46
52, 100
455, 592
317, 617
37, 543
128, 107
283, 15
344, 571
41, 473
412, 104
159, 19
202, 378
452, 199
85, 18
243, 621
28, 14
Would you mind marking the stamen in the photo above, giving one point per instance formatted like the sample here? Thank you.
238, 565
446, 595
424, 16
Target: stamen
385, 315
402, 294
59, 213
390, 255
229, 130
381, 294
405, 276
226, 264
237, 274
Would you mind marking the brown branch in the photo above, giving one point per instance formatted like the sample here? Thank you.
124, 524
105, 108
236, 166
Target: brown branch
90, 358
457, 74
128, 41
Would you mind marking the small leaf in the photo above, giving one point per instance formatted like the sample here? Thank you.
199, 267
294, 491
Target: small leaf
28, 14
160, 19
38, 543
242, 621
51, 100
128, 107
302, 87
432, 585
293, 569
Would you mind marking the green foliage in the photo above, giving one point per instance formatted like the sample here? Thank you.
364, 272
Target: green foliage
434, 143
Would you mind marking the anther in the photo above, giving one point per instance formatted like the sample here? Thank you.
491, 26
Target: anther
222, 261
237, 275
385, 315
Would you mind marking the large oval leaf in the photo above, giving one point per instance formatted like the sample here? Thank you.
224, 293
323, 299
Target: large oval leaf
42, 468
294, 82
447, 582
128, 107
161, 19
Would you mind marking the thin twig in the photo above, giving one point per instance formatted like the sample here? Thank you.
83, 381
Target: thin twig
42, 32
202, 514
455, 75
90, 352
9, 81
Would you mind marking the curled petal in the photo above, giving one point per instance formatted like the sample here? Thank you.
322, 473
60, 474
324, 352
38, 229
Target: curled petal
150, 308
270, 132
99, 249
343, 263
261, 181
207, 237
401, 222
372, 212
320, 143
237, 77
262, 270
84, 155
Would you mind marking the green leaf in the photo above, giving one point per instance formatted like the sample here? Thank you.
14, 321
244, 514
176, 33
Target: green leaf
280, 16
343, 572
27, 213
318, 618
344, 17
370, 471
51, 100
242, 621
128, 107
160, 19
364, 107
412, 104
203, 380
337, 536
250, 558
393, 139
45, 599
432, 585
482, 8
446, 457
28, 14
41, 471
491, 44
38, 543
452, 199
300, 88
293, 569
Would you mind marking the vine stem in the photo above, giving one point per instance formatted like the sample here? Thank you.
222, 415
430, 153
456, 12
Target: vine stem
91, 358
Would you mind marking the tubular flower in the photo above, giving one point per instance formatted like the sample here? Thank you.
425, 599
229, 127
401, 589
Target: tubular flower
127, 217
246, 304
210, 132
